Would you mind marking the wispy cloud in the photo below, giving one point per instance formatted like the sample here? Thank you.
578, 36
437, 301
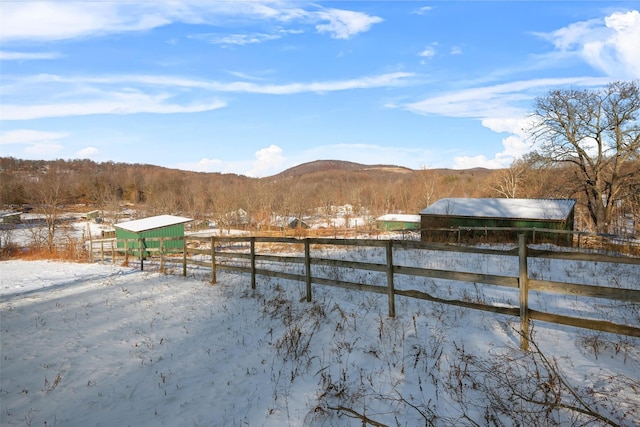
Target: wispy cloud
56, 20
44, 150
42, 144
25, 56
29, 136
502, 100
87, 153
203, 165
423, 10
130, 94
111, 103
235, 39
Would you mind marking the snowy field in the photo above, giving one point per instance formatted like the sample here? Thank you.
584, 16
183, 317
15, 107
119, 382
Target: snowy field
102, 345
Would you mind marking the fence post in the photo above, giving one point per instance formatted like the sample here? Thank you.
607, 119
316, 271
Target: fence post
113, 252
523, 285
253, 262
161, 254
307, 267
390, 287
184, 257
140, 254
101, 251
214, 278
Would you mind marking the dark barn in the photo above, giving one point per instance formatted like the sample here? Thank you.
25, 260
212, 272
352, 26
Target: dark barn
470, 214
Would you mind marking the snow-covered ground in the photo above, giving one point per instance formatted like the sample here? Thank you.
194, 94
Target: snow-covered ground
103, 345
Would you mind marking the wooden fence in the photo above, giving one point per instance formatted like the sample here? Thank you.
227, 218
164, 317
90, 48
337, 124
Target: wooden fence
241, 254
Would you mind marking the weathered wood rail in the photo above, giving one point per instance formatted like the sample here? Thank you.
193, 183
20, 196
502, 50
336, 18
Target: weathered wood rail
296, 259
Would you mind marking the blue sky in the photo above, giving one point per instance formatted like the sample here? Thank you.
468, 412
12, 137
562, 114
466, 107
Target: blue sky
255, 87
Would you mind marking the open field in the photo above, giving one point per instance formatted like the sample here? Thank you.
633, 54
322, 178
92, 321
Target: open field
90, 344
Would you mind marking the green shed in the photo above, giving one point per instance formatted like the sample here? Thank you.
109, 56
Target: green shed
92, 214
460, 213
398, 222
168, 226
12, 218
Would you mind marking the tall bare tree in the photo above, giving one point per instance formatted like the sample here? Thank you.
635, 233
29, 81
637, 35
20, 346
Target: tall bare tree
49, 195
598, 133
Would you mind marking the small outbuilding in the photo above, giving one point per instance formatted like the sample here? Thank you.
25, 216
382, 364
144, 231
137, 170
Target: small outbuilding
92, 215
474, 213
398, 222
167, 226
297, 223
12, 218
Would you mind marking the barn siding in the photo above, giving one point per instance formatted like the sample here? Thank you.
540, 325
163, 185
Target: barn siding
397, 225
176, 230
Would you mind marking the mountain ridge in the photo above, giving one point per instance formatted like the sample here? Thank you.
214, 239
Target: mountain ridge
320, 166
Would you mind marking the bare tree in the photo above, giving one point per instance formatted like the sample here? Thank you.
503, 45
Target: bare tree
508, 182
49, 193
598, 133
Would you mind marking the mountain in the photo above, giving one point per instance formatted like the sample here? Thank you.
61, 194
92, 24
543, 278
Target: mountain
322, 166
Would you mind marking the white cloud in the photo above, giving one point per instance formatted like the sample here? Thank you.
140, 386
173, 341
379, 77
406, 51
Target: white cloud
236, 39
60, 20
508, 100
344, 24
480, 161
268, 161
501, 108
456, 50
87, 153
428, 52
112, 103
43, 150
609, 44
24, 56
203, 165
423, 10
515, 125
105, 94
380, 80
29, 136
514, 148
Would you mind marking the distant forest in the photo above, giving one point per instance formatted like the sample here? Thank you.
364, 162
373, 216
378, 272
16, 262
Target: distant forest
306, 190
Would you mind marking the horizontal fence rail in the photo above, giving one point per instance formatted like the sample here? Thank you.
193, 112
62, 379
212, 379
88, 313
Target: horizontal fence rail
300, 259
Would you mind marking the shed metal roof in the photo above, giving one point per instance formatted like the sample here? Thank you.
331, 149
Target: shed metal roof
538, 209
152, 223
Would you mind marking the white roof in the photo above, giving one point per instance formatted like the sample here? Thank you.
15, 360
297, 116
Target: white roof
152, 223
551, 209
399, 218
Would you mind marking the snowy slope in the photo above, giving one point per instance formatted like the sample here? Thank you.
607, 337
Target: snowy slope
101, 345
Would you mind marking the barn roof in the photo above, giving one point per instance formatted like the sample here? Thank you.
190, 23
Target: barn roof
399, 218
538, 209
151, 223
